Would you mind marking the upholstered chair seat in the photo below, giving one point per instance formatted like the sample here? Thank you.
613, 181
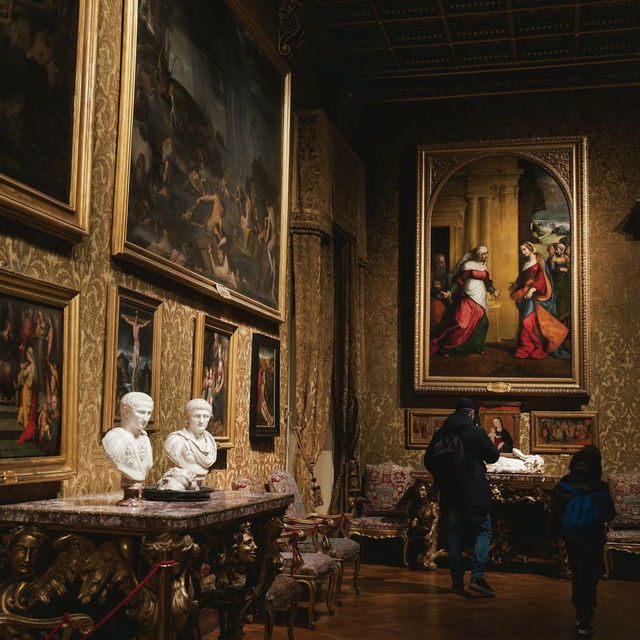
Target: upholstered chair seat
382, 509
300, 550
623, 533
344, 551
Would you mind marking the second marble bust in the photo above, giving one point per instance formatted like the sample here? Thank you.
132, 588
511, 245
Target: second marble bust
193, 448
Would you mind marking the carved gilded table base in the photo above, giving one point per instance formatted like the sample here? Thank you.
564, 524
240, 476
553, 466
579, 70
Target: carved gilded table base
89, 554
505, 489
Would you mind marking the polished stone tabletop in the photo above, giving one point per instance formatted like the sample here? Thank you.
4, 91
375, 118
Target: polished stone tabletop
100, 512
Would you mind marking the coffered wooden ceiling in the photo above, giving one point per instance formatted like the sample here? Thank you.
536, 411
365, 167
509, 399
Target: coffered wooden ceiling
390, 50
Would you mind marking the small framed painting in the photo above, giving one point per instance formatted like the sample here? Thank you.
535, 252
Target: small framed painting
214, 374
264, 414
132, 357
563, 431
421, 424
38, 379
501, 420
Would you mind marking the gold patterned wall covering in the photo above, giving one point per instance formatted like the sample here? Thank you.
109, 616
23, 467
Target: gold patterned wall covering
88, 268
611, 121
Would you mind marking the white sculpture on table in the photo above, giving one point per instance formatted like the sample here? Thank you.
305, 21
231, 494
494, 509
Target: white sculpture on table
177, 479
193, 448
128, 447
520, 463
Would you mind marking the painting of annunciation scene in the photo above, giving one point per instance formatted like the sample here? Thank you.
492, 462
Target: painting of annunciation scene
500, 273
31, 353
206, 147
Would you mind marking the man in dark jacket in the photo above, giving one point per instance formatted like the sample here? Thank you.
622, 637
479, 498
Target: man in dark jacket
466, 503
584, 552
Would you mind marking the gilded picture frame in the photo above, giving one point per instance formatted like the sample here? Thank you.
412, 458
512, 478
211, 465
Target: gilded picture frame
202, 166
501, 421
421, 424
38, 379
46, 126
214, 374
502, 286
264, 411
132, 352
563, 431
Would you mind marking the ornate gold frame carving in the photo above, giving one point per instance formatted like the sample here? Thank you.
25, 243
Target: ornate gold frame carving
153, 308
565, 161
22, 202
47, 468
240, 288
206, 323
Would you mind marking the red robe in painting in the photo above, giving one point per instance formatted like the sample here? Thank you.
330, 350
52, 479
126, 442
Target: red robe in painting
464, 327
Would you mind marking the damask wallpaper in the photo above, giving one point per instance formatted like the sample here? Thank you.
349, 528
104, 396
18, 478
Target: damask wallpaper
611, 121
88, 268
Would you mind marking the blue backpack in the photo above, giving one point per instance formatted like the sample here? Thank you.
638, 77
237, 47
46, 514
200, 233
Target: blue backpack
582, 516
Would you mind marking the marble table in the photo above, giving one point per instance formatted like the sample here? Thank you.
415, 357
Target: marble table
89, 551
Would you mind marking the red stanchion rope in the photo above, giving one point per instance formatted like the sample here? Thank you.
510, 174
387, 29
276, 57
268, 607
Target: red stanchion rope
67, 619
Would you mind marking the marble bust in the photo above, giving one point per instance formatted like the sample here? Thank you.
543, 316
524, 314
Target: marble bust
193, 448
128, 447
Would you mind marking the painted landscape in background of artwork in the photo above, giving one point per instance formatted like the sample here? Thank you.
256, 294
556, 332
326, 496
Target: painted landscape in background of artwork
206, 148
31, 353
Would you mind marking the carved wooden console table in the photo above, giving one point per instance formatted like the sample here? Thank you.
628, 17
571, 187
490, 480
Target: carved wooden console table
84, 555
505, 489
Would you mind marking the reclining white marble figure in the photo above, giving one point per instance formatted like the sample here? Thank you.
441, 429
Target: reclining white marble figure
520, 463
177, 479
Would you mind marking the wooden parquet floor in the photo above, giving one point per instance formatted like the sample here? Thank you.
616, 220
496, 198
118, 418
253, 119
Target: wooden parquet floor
396, 603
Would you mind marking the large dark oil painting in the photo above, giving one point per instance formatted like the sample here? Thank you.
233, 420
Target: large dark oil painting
205, 190
38, 44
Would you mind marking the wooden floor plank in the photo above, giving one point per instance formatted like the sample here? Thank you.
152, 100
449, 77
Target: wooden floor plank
396, 603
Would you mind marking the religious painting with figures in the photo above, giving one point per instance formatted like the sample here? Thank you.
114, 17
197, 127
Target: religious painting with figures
201, 189
31, 358
264, 415
501, 421
421, 424
563, 431
132, 357
214, 374
38, 379
499, 301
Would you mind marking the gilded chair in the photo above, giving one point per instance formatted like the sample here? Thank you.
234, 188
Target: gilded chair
344, 551
623, 532
382, 511
302, 561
